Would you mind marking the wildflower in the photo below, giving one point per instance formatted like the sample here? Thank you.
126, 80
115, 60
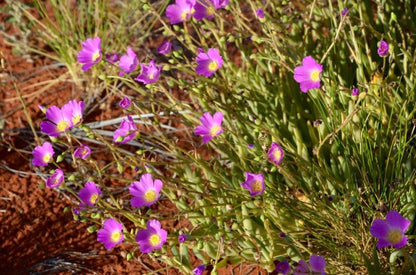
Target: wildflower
126, 132
165, 47
254, 183
282, 235
112, 57
43, 154
275, 153
345, 12
111, 234
211, 126
383, 48
150, 73
316, 265
74, 109
283, 267
260, 13
391, 230
355, 91
90, 193
182, 238
125, 103
56, 179
58, 121
82, 152
90, 54
153, 237
181, 11
199, 269
146, 191
208, 63
250, 146
205, 9
309, 74
128, 62
223, 3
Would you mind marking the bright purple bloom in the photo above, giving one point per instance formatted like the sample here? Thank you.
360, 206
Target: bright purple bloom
391, 230
126, 132
150, 73
275, 153
151, 238
250, 146
59, 121
283, 267
345, 12
112, 57
82, 152
199, 269
309, 74
316, 265
111, 234
208, 63
146, 191
181, 11
43, 154
205, 9
125, 103
254, 183
210, 126
90, 54
355, 91
165, 47
260, 13
75, 110
383, 48
90, 193
56, 179
182, 238
128, 62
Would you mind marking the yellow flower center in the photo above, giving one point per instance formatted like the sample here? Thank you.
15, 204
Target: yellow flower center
184, 15
315, 75
150, 196
76, 119
47, 158
154, 240
62, 126
256, 186
277, 154
213, 66
94, 198
395, 236
214, 130
95, 56
115, 236
151, 76
210, 10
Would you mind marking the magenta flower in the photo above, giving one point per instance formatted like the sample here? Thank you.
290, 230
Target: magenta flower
223, 3
182, 238
43, 154
391, 230
82, 152
90, 54
316, 265
126, 132
165, 47
56, 179
59, 121
112, 57
205, 9
210, 126
128, 62
208, 63
254, 183
283, 268
153, 237
345, 12
199, 269
309, 74
146, 191
355, 91
111, 234
90, 193
383, 48
150, 73
181, 11
125, 103
260, 13
275, 153
75, 110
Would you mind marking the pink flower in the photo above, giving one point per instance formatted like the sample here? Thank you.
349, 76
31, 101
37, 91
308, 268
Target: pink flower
56, 179
111, 234
165, 47
90, 193
128, 62
43, 155
383, 48
82, 152
150, 73
210, 126
390, 231
254, 183
275, 153
90, 54
208, 63
153, 237
126, 132
146, 191
181, 11
309, 74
